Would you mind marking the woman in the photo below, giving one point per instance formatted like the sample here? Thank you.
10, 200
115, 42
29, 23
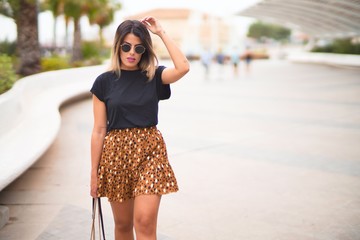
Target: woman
129, 163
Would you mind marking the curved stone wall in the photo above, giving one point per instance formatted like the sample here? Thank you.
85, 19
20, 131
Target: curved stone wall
30, 118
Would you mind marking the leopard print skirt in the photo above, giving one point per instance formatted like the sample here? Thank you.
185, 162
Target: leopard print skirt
134, 162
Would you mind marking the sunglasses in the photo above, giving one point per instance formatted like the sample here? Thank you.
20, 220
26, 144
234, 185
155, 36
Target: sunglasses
126, 47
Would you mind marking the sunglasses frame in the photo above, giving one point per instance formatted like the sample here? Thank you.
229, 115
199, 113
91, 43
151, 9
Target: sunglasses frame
130, 46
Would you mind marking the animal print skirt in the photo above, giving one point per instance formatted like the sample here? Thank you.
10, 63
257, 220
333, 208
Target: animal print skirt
134, 162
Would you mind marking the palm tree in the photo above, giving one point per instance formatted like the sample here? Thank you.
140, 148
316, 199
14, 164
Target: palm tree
25, 13
102, 14
56, 7
75, 9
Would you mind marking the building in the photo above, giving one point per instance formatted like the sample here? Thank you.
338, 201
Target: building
192, 30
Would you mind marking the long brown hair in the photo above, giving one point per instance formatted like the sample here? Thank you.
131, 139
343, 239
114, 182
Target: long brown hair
148, 61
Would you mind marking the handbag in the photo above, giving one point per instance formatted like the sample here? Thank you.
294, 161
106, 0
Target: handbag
97, 217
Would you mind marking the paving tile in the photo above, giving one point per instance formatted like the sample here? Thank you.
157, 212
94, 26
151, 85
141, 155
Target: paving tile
272, 155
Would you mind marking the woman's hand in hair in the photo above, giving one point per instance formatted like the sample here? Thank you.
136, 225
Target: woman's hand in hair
181, 64
153, 25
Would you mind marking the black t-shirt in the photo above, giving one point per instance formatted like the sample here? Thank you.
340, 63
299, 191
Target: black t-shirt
131, 100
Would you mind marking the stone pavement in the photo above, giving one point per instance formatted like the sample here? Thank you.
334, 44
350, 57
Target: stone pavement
272, 155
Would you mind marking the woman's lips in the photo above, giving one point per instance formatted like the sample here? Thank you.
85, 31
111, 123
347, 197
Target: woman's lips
131, 59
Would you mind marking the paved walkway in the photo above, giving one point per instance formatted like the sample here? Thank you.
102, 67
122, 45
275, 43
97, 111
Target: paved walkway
272, 155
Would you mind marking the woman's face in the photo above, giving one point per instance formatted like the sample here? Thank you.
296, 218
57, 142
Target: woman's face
130, 59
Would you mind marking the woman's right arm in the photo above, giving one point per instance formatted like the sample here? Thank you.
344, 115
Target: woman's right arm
97, 139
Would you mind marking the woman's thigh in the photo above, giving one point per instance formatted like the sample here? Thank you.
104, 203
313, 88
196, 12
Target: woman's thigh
123, 212
146, 208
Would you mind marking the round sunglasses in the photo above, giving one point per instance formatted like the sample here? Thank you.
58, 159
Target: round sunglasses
126, 47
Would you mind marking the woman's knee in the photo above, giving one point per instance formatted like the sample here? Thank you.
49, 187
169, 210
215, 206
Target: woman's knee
123, 226
145, 214
145, 224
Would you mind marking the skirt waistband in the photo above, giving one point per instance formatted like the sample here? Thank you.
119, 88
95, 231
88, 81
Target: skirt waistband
135, 129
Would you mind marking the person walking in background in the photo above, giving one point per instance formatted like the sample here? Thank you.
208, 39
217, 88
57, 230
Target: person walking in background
220, 57
248, 57
206, 58
235, 60
129, 161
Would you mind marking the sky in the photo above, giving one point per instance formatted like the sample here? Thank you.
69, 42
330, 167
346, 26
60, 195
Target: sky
224, 8
221, 8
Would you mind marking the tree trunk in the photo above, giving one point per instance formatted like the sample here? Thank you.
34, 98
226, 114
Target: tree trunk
54, 33
28, 47
101, 36
76, 54
66, 39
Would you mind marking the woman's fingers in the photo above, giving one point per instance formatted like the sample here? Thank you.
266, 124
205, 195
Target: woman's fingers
148, 21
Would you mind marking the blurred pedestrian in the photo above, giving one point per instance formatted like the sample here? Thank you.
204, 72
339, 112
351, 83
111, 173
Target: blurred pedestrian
220, 57
206, 59
129, 162
248, 57
235, 61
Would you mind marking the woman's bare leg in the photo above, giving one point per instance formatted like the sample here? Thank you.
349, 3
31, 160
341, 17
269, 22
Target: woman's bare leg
146, 210
123, 218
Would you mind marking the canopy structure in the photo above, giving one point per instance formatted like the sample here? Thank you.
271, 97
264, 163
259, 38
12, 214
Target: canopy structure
320, 18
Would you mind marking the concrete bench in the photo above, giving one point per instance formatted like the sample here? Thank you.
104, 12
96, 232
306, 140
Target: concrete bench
341, 60
30, 118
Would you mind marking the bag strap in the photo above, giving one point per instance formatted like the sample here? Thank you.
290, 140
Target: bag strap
100, 218
92, 235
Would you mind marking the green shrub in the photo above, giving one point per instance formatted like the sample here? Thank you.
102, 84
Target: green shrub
8, 48
77, 64
346, 46
7, 73
343, 46
324, 49
260, 30
105, 53
54, 63
93, 50
90, 50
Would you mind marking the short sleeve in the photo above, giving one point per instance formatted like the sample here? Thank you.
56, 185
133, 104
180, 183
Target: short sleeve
98, 88
163, 90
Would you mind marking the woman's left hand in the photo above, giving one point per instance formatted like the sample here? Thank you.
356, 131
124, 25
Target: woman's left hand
152, 24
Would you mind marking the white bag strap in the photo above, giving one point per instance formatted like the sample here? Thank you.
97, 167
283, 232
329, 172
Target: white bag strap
96, 210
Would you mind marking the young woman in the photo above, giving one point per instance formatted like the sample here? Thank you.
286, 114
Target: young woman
129, 163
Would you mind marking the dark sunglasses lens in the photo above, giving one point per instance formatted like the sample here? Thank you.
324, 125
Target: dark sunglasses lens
139, 49
125, 47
